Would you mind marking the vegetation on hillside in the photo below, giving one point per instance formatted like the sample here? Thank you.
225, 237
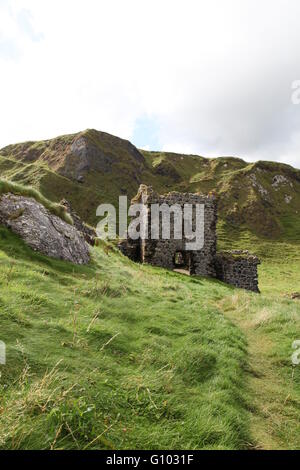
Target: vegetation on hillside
262, 197
119, 355
27, 191
116, 355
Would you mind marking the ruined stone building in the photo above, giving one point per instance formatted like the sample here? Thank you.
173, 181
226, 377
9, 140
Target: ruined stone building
236, 268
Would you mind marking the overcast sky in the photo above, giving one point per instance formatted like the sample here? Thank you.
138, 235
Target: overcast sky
208, 77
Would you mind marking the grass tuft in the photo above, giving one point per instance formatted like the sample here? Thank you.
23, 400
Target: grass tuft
26, 191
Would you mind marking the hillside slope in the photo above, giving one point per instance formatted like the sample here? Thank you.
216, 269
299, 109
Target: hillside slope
117, 355
124, 356
93, 167
112, 356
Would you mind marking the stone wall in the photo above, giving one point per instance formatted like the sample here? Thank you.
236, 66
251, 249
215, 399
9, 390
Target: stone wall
162, 252
238, 268
131, 249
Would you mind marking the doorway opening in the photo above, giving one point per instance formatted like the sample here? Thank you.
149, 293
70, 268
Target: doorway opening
182, 262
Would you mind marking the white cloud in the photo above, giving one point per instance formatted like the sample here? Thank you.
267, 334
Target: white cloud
215, 75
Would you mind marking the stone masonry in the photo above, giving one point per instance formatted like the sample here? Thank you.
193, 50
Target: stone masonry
163, 252
238, 269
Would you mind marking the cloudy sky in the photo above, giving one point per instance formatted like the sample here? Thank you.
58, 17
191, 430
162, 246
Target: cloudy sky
209, 77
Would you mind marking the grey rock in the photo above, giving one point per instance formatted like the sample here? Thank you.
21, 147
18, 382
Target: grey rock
279, 180
88, 233
41, 230
87, 157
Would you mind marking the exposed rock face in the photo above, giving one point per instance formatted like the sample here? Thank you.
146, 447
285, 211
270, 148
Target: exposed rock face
88, 232
238, 268
280, 180
288, 198
41, 230
99, 166
262, 191
89, 157
98, 152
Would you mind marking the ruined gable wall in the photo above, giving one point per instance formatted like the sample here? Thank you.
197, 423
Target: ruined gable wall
162, 252
238, 268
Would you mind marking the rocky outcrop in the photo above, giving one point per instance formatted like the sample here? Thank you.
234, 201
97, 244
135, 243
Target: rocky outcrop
167, 169
41, 230
93, 151
279, 180
88, 233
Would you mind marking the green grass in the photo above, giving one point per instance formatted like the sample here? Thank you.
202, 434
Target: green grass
116, 355
247, 198
271, 324
27, 191
119, 356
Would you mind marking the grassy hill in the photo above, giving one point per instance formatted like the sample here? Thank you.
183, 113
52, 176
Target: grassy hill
93, 167
118, 355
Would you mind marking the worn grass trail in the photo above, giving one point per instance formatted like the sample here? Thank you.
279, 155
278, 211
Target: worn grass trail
117, 355
262, 379
273, 383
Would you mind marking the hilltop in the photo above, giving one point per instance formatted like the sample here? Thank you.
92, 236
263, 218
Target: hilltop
92, 167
